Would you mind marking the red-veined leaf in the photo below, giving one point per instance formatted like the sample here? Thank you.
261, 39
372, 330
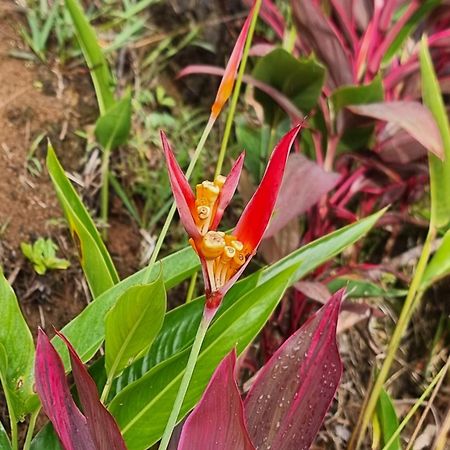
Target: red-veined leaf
217, 422
102, 426
321, 37
53, 390
413, 117
289, 399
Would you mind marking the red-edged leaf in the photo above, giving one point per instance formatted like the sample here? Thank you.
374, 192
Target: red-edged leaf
217, 422
319, 35
184, 197
53, 390
304, 184
228, 190
255, 218
291, 395
413, 117
226, 85
102, 426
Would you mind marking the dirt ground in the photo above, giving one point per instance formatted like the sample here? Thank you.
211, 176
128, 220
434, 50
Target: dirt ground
35, 99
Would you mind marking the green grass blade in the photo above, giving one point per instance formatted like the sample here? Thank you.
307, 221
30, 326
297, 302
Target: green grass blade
388, 420
439, 170
95, 59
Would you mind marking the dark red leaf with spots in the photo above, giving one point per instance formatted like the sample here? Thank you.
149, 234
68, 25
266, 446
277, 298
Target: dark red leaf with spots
288, 401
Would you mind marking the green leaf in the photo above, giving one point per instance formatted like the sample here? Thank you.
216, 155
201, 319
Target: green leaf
180, 324
133, 323
388, 420
358, 95
363, 288
113, 127
95, 260
439, 170
142, 409
46, 439
439, 265
43, 255
4, 440
299, 79
178, 331
95, 60
86, 332
16, 366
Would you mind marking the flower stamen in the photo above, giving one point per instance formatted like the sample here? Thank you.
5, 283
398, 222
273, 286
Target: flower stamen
207, 194
223, 255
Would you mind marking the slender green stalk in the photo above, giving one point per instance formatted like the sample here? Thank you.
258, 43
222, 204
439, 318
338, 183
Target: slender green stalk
31, 425
201, 332
173, 208
12, 416
402, 324
237, 89
191, 288
104, 191
416, 405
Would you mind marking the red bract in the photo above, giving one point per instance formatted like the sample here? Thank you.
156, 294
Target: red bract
224, 257
226, 85
288, 401
97, 429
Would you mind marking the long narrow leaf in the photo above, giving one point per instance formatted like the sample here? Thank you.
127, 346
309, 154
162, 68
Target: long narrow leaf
388, 420
102, 426
95, 60
218, 423
95, 260
288, 401
439, 170
54, 392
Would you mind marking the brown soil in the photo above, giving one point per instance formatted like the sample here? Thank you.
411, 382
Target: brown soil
35, 99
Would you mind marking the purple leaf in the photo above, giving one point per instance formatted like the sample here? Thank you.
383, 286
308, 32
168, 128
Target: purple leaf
218, 423
103, 427
304, 183
53, 390
289, 399
413, 117
321, 37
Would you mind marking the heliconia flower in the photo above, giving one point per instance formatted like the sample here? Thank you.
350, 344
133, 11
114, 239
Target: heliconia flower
227, 83
225, 256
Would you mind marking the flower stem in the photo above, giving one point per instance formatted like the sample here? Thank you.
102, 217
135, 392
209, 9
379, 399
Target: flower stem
411, 301
30, 430
171, 423
173, 208
237, 89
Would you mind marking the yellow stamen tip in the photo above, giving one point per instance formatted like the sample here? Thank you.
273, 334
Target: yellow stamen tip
238, 245
228, 253
203, 212
219, 181
213, 245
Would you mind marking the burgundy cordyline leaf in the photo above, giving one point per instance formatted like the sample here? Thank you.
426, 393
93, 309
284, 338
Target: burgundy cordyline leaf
320, 36
413, 117
290, 397
304, 184
217, 422
103, 427
52, 388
